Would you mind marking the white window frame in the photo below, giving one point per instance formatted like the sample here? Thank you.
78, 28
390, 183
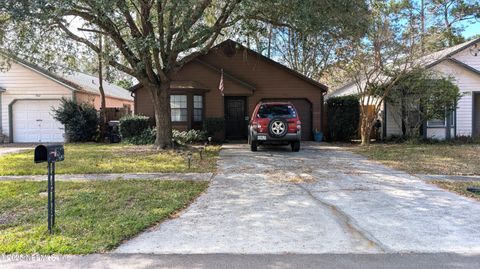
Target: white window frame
197, 108
173, 107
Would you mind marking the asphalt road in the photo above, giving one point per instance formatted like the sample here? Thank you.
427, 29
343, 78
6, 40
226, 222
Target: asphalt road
231, 261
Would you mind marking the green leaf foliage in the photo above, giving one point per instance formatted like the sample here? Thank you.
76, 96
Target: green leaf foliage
80, 120
343, 117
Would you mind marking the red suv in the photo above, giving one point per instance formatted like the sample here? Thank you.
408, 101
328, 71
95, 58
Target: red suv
275, 123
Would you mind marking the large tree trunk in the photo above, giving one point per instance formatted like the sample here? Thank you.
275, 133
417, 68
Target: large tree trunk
103, 102
365, 131
366, 124
161, 106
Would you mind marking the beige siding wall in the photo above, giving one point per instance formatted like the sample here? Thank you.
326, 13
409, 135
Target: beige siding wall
21, 82
394, 121
466, 57
468, 82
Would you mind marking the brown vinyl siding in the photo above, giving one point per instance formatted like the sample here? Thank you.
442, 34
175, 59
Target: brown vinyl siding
270, 80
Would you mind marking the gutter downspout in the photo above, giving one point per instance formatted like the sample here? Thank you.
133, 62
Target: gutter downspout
322, 110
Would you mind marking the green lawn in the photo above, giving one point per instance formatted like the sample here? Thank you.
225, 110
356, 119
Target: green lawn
443, 159
91, 217
459, 187
111, 158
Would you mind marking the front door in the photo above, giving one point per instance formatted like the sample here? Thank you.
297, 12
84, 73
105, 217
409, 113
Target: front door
476, 114
235, 117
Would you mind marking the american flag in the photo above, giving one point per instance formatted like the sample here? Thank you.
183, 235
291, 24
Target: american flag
221, 87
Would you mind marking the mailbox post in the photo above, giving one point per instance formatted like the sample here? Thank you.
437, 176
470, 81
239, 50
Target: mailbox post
50, 154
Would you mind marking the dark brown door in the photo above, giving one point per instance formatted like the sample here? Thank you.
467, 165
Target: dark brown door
235, 117
304, 109
476, 115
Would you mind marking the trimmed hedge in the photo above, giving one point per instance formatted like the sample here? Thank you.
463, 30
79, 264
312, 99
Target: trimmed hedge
343, 117
133, 126
213, 125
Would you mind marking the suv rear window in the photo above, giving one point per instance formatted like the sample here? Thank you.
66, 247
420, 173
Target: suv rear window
271, 111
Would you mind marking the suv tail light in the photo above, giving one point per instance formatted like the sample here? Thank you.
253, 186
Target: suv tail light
256, 126
299, 125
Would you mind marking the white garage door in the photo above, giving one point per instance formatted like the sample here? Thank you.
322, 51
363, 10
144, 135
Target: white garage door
33, 121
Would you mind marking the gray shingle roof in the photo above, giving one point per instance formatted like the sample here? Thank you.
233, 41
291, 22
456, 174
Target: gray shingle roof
76, 80
90, 83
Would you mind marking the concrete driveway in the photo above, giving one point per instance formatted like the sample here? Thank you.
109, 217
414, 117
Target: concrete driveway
14, 148
321, 200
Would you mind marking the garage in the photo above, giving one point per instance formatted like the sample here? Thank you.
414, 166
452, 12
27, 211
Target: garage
304, 109
32, 121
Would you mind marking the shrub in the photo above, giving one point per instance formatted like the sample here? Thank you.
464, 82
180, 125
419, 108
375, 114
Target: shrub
213, 125
179, 137
134, 126
145, 138
343, 117
186, 137
80, 120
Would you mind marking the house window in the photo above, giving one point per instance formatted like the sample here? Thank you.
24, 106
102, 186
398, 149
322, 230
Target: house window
197, 108
442, 122
178, 106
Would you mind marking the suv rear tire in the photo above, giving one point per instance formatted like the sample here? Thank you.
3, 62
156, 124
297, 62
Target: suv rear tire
295, 146
277, 127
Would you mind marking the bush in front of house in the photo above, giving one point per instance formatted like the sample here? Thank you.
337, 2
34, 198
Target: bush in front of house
80, 120
343, 117
147, 137
188, 137
213, 125
133, 126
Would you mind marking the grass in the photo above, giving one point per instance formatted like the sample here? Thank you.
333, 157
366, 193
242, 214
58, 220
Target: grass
91, 217
441, 159
111, 158
459, 187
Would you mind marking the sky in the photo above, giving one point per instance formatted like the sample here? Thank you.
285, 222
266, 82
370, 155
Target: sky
472, 29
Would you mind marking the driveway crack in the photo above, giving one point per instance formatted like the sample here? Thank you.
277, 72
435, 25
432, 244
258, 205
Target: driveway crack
348, 223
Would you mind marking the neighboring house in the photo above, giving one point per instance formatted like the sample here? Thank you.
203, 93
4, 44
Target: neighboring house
28, 93
248, 79
462, 63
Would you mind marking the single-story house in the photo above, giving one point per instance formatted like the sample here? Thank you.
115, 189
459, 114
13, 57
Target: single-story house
248, 78
462, 63
28, 93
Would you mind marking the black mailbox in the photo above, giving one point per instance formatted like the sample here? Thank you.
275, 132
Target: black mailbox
49, 153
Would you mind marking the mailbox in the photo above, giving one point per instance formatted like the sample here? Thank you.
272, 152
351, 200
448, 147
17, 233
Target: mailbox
49, 153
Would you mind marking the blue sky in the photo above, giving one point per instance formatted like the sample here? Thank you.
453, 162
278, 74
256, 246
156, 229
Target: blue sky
472, 29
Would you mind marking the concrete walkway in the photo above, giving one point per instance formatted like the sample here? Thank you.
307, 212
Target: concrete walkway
320, 200
151, 176
217, 261
448, 177
13, 149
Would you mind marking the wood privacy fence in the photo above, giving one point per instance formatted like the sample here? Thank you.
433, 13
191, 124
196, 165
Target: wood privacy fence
115, 113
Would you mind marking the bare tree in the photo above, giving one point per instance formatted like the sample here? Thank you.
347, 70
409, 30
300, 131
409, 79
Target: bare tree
385, 55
